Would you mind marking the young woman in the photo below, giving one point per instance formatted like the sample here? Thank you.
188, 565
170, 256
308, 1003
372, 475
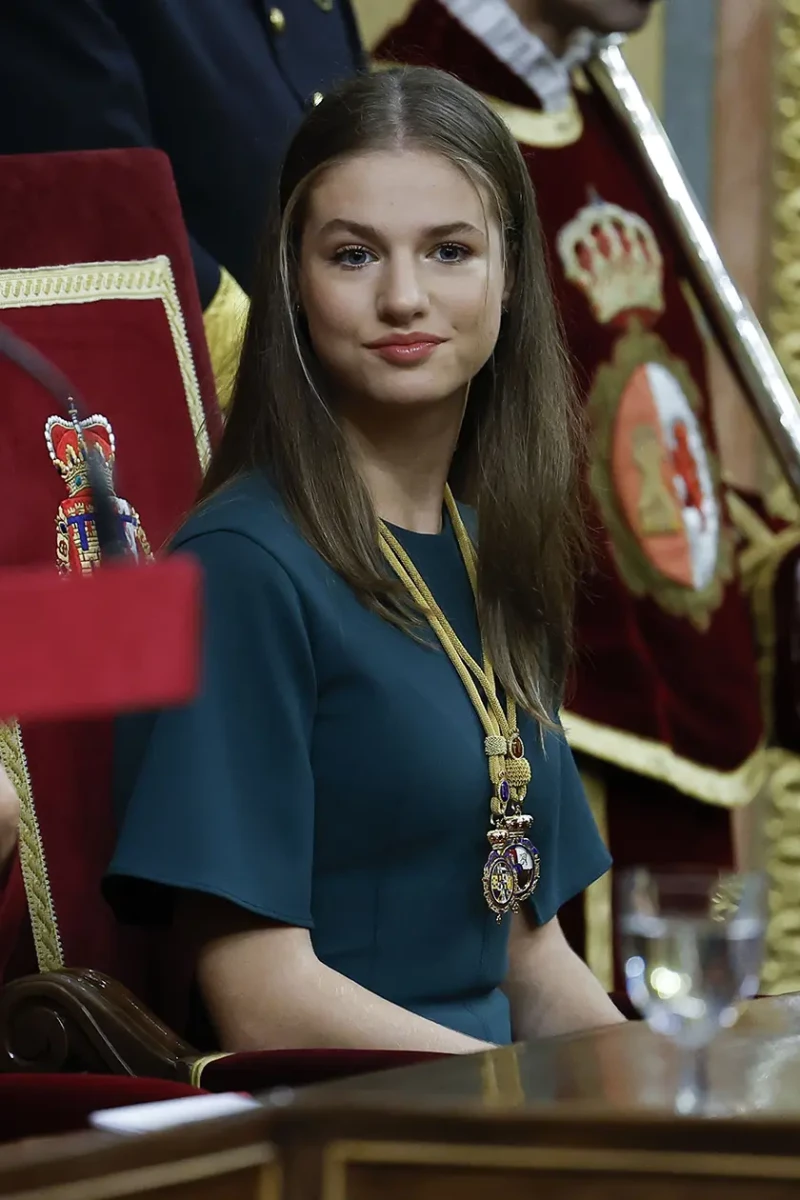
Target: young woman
339, 827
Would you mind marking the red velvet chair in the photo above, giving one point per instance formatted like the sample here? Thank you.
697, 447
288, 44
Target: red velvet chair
45, 1105
121, 318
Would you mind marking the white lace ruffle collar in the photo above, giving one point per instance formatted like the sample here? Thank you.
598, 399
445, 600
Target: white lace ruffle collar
499, 28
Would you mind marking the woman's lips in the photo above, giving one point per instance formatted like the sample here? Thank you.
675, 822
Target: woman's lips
401, 353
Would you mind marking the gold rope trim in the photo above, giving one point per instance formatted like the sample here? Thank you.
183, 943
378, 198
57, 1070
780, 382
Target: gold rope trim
139, 279
82, 283
781, 971
46, 938
224, 322
655, 760
598, 897
199, 1065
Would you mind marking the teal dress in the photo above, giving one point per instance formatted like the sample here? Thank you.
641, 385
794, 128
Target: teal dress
331, 774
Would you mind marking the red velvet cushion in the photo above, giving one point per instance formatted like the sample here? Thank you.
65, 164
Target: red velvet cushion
264, 1069
40, 1105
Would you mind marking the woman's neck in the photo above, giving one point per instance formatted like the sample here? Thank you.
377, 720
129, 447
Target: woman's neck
404, 459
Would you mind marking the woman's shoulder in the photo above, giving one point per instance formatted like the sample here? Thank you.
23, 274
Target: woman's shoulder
247, 512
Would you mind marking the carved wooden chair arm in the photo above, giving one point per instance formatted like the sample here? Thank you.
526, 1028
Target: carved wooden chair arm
81, 1020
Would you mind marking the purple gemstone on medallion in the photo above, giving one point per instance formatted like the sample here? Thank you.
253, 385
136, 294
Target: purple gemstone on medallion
504, 792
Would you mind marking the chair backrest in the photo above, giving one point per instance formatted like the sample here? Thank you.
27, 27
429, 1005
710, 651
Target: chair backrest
95, 272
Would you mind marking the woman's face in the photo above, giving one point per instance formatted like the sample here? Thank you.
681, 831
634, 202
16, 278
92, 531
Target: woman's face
401, 277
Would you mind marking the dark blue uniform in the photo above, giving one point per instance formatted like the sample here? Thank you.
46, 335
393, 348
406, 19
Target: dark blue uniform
220, 85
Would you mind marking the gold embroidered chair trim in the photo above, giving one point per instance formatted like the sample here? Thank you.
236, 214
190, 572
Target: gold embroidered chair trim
84, 283
42, 913
655, 760
199, 1065
138, 279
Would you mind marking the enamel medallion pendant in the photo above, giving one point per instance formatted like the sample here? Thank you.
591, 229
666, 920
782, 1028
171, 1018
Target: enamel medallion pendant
513, 866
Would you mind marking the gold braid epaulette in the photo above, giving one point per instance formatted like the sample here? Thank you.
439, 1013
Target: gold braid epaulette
46, 938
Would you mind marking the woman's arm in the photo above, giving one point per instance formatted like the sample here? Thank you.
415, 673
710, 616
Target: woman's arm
265, 989
549, 988
9, 818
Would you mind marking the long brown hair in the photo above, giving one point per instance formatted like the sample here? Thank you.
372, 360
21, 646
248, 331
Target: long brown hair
515, 459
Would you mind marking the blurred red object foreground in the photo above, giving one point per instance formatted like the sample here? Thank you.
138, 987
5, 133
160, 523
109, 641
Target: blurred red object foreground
126, 636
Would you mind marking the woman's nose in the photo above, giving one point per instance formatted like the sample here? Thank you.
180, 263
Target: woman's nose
402, 295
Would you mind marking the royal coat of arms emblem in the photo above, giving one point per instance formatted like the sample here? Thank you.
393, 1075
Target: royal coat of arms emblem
653, 475
77, 547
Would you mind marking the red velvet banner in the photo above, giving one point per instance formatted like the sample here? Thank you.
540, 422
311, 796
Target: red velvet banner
667, 681
95, 272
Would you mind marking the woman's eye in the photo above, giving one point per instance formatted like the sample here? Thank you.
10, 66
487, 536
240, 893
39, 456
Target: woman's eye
451, 252
353, 256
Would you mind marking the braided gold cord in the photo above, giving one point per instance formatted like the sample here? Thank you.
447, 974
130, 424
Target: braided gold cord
500, 727
492, 717
468, 554
44, 926
403, 567
421, 593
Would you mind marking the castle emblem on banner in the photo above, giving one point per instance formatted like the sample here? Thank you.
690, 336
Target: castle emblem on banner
653, 477
77, 547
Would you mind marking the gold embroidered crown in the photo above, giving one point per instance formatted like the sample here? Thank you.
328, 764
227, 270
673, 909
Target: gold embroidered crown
66, 441
613, 257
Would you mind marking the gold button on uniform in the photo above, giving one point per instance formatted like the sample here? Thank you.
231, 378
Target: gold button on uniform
317, 98
277, 20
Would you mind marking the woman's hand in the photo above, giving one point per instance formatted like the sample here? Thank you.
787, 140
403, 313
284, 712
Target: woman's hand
9, 818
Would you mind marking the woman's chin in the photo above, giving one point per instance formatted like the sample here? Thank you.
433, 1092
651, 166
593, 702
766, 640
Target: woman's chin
411, 390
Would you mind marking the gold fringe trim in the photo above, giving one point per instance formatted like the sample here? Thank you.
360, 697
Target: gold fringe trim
84, 283
598, 897
139, 279
199, 1065
759, 563
643, 756
760, 560
46, 937
781, 971
224, 321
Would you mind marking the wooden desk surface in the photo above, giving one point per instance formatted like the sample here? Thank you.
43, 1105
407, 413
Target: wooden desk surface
605, 1099
753, 1068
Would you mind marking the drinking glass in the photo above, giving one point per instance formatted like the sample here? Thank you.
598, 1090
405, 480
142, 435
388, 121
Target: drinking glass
691, 947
